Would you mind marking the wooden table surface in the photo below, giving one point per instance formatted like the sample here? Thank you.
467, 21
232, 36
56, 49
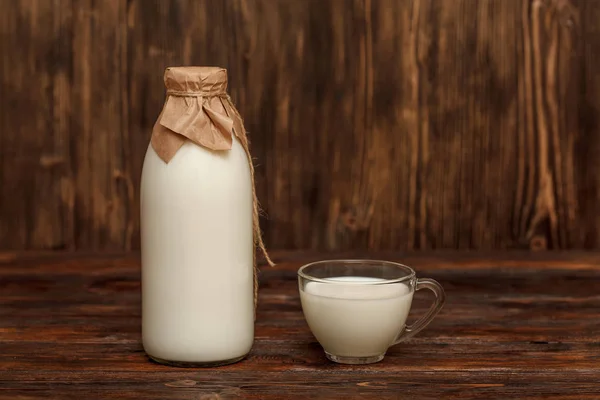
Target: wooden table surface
515, 325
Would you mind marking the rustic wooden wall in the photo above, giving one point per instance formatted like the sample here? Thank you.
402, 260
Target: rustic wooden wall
380, 124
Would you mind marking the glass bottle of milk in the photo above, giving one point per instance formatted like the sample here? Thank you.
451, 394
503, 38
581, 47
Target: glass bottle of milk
199, 224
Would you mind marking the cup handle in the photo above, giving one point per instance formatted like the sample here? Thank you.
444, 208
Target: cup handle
440, 298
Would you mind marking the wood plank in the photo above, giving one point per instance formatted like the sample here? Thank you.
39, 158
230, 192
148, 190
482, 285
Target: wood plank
587, 141
104, 200
35, 75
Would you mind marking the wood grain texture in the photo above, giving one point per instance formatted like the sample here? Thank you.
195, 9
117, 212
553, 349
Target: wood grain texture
516, 325
35, 124
375, 124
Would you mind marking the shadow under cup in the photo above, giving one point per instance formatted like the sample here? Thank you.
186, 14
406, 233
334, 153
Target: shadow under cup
357, 309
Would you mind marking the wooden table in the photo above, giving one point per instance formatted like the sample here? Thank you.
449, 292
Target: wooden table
515, 325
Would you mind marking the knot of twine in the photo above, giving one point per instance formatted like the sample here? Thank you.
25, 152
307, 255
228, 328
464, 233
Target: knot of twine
219, 92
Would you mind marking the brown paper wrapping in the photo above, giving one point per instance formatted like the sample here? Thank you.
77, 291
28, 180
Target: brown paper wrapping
198, 109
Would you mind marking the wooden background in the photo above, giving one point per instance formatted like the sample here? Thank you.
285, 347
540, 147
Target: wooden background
379, 124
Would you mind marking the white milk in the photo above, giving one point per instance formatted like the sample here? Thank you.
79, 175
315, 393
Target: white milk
197, 255
351, 319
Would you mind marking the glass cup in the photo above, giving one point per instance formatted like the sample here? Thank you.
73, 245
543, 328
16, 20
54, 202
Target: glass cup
357, 309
